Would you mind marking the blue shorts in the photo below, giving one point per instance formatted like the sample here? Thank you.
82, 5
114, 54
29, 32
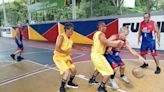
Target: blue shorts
20, 46
114, 60
145, 46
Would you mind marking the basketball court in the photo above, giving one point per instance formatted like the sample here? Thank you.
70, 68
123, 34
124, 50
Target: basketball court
37, 73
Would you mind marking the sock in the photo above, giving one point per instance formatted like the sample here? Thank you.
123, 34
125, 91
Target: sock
112, 76
93, 77
71, 78
102, 85
63, 82
122, 75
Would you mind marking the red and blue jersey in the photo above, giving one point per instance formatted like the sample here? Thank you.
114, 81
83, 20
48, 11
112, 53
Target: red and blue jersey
147, 31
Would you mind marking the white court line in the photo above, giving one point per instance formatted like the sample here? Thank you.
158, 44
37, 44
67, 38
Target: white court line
6, 50
79, 76
27, 53
23, 77
147, 54
40, 47
6, 81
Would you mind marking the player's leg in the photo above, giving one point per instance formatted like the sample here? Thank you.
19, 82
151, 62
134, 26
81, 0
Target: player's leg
155, 57
92, 80
106, 70
143, 52
64, 71
114, 65
73, 71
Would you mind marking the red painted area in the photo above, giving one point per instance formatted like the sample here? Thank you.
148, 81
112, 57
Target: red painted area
112, 28
25, 33
91, 35
52, 33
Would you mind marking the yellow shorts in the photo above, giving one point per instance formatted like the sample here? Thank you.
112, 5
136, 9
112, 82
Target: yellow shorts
101, 64
63, 63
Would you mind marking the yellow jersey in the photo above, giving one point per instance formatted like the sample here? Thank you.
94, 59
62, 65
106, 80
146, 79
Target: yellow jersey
66, 45
97, 46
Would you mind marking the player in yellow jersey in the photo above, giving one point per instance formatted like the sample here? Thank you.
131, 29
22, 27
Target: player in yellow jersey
62, 57
100, 42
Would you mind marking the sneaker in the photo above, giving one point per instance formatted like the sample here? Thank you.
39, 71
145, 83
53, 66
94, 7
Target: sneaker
12, 56
144, 65
158, 70
19, 58
93, 81
113, 84
62, 89
72, 85
101, 89
125, 79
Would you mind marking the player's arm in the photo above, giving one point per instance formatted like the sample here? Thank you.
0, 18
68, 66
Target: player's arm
158, 33
59, 42
139, 35
107, 42
129, 48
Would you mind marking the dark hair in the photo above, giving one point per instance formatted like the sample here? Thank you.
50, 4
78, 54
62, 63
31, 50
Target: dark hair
100, 23
68, 26
147, 13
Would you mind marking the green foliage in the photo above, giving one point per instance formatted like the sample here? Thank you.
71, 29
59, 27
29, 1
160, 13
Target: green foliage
17, 10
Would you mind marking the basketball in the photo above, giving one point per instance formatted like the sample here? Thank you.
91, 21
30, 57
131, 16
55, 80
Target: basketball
138, 72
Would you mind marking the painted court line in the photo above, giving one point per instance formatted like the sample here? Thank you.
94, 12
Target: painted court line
80, 75
23, 77
27, 53
6, 50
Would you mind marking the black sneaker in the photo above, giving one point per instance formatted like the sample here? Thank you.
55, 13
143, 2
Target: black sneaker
144, 65
158, 70
72, 85
101, 89
19, 58
93, 81
12, 56
62, 89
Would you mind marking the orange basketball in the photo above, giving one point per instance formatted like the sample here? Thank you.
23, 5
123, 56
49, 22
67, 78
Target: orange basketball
138, 72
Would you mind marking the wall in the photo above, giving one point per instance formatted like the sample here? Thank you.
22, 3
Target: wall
134, 22
83, 31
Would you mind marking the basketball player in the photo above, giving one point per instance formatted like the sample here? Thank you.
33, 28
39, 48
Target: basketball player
149, 31
100, 42
63, 59
112, 55
19, 41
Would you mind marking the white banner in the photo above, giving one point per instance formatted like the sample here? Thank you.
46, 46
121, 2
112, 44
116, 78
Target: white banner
6, 32
133, 23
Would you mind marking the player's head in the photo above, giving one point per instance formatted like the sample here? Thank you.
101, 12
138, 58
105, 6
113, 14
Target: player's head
123, 33
69, 27
146, 17
101, 26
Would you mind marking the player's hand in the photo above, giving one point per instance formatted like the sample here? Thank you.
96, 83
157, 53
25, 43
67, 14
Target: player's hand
142, 59
67, 53
109, 51
121, 43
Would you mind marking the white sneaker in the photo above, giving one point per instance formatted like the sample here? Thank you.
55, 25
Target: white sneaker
125, 79
113, 84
